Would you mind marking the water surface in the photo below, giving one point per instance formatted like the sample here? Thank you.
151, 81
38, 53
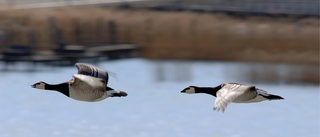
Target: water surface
154, 107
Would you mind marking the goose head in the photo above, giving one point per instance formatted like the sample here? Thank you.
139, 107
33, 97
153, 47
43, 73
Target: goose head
189, 90
39, 85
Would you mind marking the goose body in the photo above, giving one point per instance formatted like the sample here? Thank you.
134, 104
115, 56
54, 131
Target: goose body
232, 92
89, 84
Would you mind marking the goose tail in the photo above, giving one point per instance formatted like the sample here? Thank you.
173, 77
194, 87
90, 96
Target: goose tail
273, 97
116, 93
120, 94
269, 96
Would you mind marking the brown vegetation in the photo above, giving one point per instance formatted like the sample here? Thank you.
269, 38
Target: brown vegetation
180, 35
174, 35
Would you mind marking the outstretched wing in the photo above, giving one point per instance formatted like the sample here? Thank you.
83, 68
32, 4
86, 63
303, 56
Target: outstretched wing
228, 93
93, 71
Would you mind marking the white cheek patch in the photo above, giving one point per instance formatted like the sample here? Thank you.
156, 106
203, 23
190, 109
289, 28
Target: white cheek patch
190, 91
40, 86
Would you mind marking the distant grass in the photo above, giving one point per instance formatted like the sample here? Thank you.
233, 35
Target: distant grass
178, 35
174, 35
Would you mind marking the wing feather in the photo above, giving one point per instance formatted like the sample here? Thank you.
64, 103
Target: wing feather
229, 93
93, 71
87, 82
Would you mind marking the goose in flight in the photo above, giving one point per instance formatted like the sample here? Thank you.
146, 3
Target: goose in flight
89, 84
232, 92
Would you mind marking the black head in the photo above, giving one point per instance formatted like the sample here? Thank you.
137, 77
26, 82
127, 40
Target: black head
190, 90
39, 85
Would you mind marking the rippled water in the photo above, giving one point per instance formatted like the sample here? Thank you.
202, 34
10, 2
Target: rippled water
154, 107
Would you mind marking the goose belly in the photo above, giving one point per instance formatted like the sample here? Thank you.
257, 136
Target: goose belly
240, 100
244, 98
256, 99
249, 100
87, 94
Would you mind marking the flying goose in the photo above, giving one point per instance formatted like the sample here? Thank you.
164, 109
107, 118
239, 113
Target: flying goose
232, 92
90, 84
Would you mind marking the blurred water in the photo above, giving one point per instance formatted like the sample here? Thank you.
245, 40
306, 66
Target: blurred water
154, 107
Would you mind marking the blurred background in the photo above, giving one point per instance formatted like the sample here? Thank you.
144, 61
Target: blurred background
157, 48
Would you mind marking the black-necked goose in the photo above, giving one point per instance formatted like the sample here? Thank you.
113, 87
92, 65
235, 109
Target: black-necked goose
232, 92
90, 84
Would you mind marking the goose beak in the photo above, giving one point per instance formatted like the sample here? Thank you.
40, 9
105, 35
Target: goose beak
33, 86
